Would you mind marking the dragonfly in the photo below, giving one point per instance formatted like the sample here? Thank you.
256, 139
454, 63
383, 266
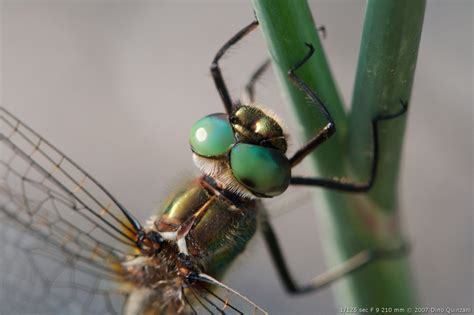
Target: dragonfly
89, 254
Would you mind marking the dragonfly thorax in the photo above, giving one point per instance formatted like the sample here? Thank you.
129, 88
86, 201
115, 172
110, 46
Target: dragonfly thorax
243, 152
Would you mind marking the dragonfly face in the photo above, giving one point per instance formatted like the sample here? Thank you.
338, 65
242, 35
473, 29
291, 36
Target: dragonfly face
244, 152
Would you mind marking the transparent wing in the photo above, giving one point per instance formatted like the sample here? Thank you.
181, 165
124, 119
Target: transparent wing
209, 296
38, 277
62, 234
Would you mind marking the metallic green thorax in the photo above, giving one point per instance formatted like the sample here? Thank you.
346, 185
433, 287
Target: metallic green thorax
220, 234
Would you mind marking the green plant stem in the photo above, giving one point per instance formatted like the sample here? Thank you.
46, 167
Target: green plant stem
387, 61
286, 46
354, 222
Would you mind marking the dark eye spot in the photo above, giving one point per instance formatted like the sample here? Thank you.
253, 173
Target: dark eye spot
248, 182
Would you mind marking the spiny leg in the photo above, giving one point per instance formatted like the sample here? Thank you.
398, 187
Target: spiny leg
327, 132
354, 263
249, 91
216, 71
342, 185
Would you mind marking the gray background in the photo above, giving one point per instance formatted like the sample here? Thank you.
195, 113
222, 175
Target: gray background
117, 85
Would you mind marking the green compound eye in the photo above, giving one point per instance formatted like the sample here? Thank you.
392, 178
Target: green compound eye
262, 170
212, 135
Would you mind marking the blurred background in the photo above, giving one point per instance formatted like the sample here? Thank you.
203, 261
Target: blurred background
116, 86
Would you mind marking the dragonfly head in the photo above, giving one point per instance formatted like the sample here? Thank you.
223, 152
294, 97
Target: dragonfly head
244, 152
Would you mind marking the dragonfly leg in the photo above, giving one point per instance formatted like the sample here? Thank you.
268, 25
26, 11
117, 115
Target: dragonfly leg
216, 71
249, 90
326, 132
344, 185
179, 236
354, 263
